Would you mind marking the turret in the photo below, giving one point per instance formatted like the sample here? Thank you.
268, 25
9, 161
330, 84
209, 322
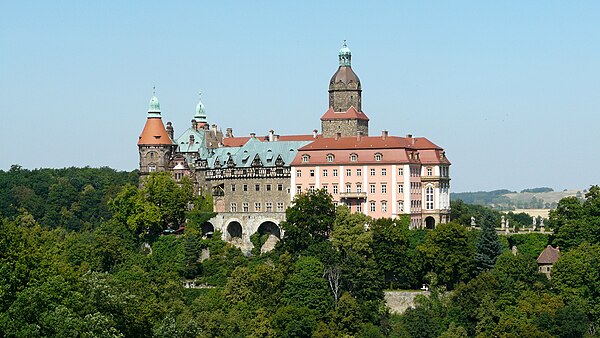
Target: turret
155, 145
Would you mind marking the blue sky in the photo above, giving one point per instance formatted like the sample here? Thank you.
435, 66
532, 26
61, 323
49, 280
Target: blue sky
510, 88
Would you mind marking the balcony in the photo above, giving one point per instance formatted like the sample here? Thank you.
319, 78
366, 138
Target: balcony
353, 195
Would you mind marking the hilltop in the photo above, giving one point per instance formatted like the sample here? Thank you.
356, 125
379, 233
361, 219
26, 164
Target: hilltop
535, 198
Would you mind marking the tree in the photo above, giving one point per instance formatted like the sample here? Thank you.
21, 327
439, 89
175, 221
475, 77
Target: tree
350, 231
306, 287
310, 219
488, 247
449, 254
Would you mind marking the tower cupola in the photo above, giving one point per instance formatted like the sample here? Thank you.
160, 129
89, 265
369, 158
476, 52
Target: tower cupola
345, 56
200, 116
154, 105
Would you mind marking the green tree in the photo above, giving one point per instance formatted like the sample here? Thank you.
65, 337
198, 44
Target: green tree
310, 219
306, 287
350, 231
488, 247
449, 254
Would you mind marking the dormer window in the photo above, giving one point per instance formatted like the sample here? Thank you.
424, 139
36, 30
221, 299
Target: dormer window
378, 157
353, 157
305, 158
330, 157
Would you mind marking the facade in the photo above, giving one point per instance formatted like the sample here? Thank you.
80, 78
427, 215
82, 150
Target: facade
547, 258
254, 179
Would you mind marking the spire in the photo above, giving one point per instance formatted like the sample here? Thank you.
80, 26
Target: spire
200, 113
154, 105
345, 56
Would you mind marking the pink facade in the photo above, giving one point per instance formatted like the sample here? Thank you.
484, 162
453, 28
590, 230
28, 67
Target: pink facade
378, 176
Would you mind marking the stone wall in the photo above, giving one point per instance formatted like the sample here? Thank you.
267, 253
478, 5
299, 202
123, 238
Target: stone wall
347, 128
400, 301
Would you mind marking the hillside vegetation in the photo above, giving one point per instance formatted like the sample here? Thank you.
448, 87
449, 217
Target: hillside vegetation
117, 276
535, 198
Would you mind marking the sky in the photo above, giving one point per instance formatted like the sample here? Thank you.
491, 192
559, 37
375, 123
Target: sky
510, 89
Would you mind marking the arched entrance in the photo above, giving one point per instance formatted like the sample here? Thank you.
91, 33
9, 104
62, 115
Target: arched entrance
430, 222
269, 227
234, 229
207, 229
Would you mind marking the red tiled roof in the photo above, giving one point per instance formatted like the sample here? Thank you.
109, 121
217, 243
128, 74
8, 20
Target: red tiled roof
549, 256
364, 142
351, 113
154, 133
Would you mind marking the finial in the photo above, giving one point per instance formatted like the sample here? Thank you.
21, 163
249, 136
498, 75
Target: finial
154, 88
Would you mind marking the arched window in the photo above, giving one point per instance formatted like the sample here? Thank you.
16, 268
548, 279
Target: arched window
330, 157
353, 157
429, 198
378, 157
305, 158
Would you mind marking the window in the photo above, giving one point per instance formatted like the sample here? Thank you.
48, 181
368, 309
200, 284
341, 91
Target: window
372, 172
268, 187
359, 207
429, 198
348, 187
257, 206
245, 206
324, 172
305, 158
348, 172
257, 187
429, 172
358, 187
311, 188
335, 188
400, 188
312, 173
151, 155
298, 173
372, 188
358, 172
152, 168
335, 172
372, 206
325, 187
279, 206
378, 157
233, 207
330, 157
269, 206
383, 188
233, 187
353, 157
245, 186
298, 189
400, 206
400, 172
383, 206
383, 171
279, 187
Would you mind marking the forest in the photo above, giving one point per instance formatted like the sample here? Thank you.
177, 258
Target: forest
84, 252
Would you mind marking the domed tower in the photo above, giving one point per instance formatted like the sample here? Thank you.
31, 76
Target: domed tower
345, 114
154, 144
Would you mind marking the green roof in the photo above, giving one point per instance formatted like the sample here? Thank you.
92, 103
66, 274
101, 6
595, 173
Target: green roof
254, 150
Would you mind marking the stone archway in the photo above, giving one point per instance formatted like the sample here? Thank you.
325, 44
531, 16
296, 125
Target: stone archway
430, 222
270, 235
208, 229
269, 227
234, 230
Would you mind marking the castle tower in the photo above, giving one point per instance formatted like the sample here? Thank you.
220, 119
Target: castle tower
200, 116
344, 115
155, 145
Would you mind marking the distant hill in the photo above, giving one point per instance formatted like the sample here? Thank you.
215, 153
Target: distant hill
534, 198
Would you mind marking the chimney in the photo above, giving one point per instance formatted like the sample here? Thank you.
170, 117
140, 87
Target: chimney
170, 130
359, 135
271, 133
229, 132
275, 137
315, 133
214, 128
337, 136
384, 134
252, 135
408, 135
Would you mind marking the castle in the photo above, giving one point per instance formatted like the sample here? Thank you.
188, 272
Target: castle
254, 179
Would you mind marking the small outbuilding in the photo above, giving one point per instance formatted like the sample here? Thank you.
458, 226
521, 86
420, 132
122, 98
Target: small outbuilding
547, 258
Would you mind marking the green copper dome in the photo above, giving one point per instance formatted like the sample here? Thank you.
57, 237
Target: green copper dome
345, 55
154, 106
200, 113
